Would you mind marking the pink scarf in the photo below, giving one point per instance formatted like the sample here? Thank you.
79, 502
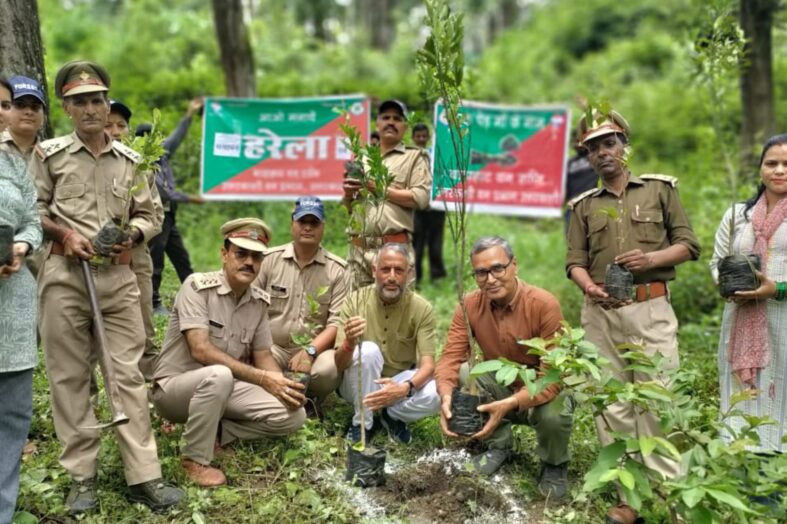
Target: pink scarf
749, 349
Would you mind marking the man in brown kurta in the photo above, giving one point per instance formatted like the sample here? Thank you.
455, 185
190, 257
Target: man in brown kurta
393, 221
503, 311
637, 222
216, 372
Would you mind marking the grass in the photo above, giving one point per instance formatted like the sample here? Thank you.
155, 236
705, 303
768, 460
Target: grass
288, 480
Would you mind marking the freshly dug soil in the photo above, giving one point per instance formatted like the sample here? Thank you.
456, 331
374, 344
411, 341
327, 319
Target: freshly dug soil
465, 418
426, 493
736, 273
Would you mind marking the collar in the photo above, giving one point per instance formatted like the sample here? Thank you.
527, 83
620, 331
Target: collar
633, 180
399, 148
512, 305
225, 289
78, 144
5, 136
319, 256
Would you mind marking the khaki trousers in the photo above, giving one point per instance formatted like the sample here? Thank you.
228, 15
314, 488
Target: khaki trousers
66, 333
210, 396
653, 325
324, 376
142, 265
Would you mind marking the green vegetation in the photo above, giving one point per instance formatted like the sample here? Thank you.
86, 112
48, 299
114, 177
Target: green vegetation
641, 56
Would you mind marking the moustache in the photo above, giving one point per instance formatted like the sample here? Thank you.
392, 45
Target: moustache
247, 269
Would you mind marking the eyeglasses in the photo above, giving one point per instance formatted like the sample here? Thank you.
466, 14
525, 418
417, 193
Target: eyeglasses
242, 254
497, 271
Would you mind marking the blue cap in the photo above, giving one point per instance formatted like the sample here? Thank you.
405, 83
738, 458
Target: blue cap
24, 86
309, 205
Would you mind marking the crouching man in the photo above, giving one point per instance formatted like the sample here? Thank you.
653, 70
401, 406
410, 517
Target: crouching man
397, 354
216, 372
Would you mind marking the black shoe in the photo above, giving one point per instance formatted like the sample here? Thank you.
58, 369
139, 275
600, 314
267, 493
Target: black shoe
82, 496
155, 494
553, 481
354, 433
396, 428
488, 462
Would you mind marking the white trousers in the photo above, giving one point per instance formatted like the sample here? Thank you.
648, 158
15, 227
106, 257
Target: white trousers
423, 403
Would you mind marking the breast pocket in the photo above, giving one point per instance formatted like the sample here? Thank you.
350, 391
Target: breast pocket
118, 201
598, 234
280, 295
218, 336
70, 198
648, 227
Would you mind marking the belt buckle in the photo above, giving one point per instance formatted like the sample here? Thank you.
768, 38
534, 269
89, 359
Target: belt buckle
647, 291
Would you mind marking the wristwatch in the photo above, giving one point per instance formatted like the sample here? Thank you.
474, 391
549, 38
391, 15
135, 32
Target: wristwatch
312, 352
411, 391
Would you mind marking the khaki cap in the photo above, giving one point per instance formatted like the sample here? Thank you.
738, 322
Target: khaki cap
603, 124
249, 233
80, 76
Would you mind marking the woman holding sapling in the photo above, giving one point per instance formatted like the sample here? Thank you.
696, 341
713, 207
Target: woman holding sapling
632, 224
753, 343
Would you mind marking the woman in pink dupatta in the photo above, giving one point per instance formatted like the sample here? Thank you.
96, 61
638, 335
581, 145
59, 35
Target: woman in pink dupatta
753, 343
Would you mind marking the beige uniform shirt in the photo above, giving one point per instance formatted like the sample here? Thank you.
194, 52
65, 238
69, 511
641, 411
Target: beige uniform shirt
83, 192
7, 143
404, 330
205, 301
648, 215
289, 286
409, 167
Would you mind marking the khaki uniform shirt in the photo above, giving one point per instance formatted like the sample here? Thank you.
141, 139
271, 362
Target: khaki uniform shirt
409, 167
205, 301
83, 192
289, 287
648, 215
7, 144
404, 330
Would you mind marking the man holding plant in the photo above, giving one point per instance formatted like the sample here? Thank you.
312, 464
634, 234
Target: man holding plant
397, 328
636, 222
296, 275
84, 182
502, 312
216, 372
391, 222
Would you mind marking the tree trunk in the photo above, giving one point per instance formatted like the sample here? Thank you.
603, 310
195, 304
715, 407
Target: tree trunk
21, 51
756, 18
237, 58
377, 22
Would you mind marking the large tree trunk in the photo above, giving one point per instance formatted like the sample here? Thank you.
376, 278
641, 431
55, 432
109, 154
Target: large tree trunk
237, 59
756, 19
21, 51
378, 22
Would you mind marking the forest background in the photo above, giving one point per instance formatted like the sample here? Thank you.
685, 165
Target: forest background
645, 57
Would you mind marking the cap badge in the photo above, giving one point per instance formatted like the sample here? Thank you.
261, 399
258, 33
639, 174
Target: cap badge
84, 75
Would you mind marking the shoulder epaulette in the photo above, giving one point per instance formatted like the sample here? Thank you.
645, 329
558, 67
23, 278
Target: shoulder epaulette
336, 258
274, 249
48, 148
126, 151
260, 294
671, 180
202, 281
577, 199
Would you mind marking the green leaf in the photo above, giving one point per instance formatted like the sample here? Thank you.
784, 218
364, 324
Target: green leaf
691, 497
506, 375
646, 445
23, 517
609, 455
626, 478
196, 517
700, 515
667, 446
728, 499
485, 367
610, 475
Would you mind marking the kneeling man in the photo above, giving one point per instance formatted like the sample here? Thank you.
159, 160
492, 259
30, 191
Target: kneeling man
397, 354
216, 372
503, 311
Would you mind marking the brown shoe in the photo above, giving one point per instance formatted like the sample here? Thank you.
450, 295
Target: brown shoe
222, 452
623, 514
203, 476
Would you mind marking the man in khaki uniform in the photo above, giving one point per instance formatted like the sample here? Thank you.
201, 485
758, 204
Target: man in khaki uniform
82, 181
397, 327
296, 275
650, 238
392, 222
216, 371
118, 128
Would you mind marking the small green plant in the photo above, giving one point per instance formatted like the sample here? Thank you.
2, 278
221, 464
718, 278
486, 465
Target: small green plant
303, 337
150, 149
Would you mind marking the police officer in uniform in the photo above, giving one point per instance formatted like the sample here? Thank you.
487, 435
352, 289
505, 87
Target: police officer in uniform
294, 274
392, 222
651, 236
83, 181
216, 371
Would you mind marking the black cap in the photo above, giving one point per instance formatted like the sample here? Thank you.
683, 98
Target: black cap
120, 108
393, 103
143, 129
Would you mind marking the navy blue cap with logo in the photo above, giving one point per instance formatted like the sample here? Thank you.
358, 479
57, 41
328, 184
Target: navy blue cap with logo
24, 86
309, 205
